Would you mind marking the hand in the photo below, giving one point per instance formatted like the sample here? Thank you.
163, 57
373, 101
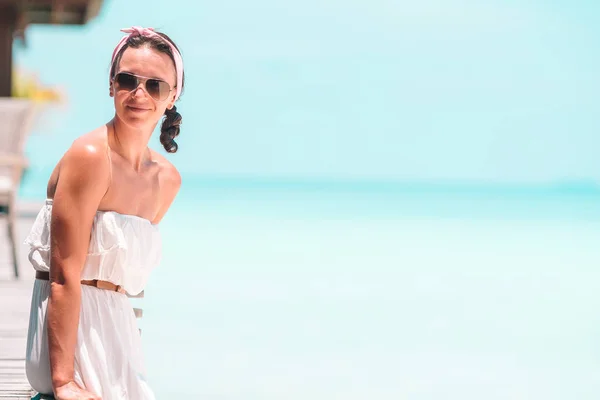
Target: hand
72, 391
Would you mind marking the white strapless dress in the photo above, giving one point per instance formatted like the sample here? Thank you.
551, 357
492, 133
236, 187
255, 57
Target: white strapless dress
123, 249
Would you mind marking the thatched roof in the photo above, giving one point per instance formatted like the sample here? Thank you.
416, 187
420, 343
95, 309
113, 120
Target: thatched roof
59, 12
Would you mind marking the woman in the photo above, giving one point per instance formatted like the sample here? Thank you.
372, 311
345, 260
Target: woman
96, 240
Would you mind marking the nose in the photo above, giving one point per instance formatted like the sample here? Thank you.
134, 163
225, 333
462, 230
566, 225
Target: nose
139, 91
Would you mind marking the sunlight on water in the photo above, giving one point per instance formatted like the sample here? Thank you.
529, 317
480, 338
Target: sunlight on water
267, 294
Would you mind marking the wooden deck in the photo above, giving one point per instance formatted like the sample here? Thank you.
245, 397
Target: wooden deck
15, 297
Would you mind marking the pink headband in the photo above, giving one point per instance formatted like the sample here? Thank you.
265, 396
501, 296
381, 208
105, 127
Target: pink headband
149, 32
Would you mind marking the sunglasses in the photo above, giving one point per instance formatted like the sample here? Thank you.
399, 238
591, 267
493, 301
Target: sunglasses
157, 89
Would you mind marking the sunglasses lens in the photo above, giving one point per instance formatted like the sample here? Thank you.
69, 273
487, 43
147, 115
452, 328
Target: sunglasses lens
158, 89
126, 82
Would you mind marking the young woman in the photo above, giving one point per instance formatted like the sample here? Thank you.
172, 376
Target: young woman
96, 239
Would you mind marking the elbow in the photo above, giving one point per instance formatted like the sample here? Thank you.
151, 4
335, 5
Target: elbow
67, 284
65, 272
68, 291
64, 280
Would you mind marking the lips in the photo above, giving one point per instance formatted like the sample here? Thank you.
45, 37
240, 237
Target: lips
137, 108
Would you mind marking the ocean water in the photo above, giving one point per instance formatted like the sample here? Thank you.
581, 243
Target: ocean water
324, 290
274, 290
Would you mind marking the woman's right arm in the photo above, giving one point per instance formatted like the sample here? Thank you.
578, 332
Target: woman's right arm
82, 183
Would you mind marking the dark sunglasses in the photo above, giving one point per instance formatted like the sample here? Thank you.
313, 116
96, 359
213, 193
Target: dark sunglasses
157, 89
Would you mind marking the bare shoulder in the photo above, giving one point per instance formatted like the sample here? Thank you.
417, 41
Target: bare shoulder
168, 174
82, 177
88, 150
170, 182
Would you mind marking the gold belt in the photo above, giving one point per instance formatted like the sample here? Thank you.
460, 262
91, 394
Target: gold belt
45, 276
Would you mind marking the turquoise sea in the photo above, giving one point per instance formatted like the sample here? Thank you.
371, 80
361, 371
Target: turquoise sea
346, 290
352, 292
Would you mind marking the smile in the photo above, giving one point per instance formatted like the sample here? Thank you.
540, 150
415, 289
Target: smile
137, 109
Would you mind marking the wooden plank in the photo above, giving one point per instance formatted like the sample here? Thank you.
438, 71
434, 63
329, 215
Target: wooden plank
15, 297
140, 295
15, 301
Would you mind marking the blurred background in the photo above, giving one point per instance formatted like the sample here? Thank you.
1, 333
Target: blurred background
381, 199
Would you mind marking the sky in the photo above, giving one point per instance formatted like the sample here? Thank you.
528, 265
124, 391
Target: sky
459, 91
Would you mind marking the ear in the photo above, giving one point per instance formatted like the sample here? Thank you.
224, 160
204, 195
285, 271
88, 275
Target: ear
171, 102
111, 92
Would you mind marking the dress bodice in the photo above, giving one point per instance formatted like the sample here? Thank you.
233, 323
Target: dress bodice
123, 248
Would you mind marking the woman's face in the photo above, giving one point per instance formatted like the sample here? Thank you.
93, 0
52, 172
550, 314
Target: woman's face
137, 108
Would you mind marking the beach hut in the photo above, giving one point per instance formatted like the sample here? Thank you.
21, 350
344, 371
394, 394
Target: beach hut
16, 114
16, 15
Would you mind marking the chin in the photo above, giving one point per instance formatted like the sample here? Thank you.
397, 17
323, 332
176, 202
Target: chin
137, 119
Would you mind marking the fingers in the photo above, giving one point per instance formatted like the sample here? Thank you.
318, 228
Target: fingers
84, 394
